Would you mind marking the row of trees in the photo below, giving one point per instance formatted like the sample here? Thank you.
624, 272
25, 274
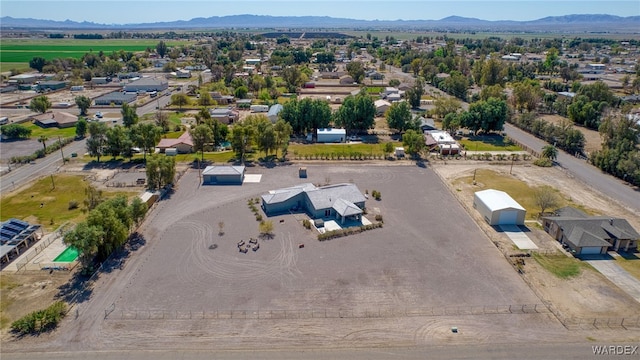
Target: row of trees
106, 229
619, 155
258, 131
120, 141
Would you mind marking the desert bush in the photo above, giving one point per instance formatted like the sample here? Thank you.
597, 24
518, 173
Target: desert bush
40, 321
543, 162
306, 223
347, 231
73, 204
379, 218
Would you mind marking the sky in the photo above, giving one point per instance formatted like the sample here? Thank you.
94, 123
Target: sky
144, 11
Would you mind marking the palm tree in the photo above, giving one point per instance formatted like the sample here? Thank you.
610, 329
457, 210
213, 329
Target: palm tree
550, 152
42, 139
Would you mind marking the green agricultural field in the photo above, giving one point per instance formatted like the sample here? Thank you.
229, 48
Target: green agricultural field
23, 50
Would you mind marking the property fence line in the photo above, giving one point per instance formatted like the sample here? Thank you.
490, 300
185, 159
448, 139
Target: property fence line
525, 147
626, 323
34, 251
137, 314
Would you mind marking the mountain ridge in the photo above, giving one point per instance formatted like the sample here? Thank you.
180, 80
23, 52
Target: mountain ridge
572, 22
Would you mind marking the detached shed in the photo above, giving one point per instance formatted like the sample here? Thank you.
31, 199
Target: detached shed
223, 175
498, 208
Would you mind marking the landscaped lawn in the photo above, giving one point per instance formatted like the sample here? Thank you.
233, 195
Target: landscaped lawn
518, 190
51, 133
338, 149
560, 265
47, 205
488, 143
630, 263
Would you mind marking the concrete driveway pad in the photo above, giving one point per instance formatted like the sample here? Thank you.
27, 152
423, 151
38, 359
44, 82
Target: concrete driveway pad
618, 276
518, 237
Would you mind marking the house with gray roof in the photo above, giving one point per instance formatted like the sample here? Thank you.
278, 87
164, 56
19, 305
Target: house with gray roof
115, 98
342, 202
585, 234
146, 85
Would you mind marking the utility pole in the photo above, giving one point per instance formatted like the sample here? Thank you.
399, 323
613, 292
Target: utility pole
53, 184
61, 153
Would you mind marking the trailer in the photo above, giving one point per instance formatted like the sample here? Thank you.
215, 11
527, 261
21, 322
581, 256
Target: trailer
259, 108
331, 135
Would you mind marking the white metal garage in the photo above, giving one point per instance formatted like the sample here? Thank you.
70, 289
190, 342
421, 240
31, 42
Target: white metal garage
498, 208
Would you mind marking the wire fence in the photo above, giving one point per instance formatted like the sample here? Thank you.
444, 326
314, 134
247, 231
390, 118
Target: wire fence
127, 314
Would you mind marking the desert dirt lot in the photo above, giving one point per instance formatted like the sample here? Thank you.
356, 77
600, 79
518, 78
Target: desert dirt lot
430, 267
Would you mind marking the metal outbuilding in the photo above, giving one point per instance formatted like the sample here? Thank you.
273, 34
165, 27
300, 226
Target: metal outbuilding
498, 208
223, 175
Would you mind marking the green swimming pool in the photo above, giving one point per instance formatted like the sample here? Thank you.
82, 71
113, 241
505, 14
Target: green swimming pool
68, 255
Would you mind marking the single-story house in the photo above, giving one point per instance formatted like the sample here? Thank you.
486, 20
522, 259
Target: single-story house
426, 124
252, 61
183, 74
58, 119
273, 112
116, 98
441, 141
223, 175
183, 144
52, 85
343, 202
331, 135
585, 234
224, 115
222, 99
146, 85
381, 106
498, 208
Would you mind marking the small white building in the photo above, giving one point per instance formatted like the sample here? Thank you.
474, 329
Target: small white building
331, 135
498, 208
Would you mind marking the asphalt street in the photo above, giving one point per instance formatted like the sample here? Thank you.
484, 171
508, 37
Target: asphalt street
614, 188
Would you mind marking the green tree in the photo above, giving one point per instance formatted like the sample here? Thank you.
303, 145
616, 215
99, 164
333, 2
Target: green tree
201, 135
15, 131
43, 140
81, 128
446, 105
356, 71
487, 115
387, 148
161, 171
451, 122
527, 95
97, 141
493, 91
83, 103
180, 100
205, 99
413, 142
138, 209
241, 92
414, 95
86, 239
283, 131
146, 136
242, 138
114, 218
550, 152
356, 113
551, 61
40, 104
129, 115
292, 77
220, 132
456, 84
399, 117
203, 116
265, 136
118, 142
37, 63
161, 49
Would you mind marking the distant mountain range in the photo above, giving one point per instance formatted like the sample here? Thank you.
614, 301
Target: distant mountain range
587, 23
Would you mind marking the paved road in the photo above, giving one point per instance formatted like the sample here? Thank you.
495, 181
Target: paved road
522, 351
45, 166
581, 170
